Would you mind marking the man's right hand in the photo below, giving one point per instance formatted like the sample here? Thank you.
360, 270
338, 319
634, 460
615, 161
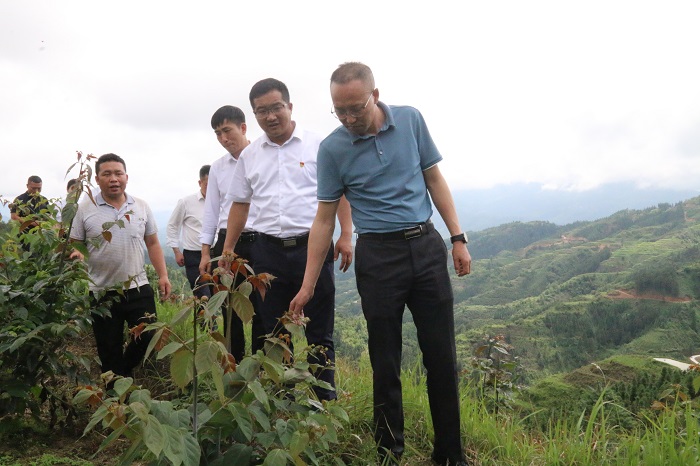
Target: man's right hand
76, 255
300, 300
180, 258
225, 261
204, 264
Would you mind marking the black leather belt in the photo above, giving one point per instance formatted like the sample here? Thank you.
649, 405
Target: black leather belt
291, 242
248, 237
405, 234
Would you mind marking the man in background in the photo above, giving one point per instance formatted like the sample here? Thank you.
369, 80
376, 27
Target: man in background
29, 203
184, 229
71, 186
119, 262
229, 125
26, 208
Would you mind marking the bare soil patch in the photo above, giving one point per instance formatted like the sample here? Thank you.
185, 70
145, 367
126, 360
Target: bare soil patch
27, 440
631, 294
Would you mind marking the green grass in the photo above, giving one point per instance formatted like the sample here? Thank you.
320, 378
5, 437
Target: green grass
587, 438
46, 459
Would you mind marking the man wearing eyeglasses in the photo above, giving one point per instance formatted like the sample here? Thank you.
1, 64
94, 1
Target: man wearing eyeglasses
384, 161
277, 173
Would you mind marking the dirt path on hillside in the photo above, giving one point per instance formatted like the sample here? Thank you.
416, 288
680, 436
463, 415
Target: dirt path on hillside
631, 294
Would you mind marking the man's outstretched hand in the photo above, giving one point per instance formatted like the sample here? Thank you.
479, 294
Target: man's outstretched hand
296, 307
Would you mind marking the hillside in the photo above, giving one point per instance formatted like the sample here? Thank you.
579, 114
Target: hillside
566, 296
625, 284
586, 307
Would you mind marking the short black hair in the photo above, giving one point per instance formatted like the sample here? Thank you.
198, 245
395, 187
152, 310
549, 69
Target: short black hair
264, 86
71, 182
204, 171
108, 158
34, 179
227, 113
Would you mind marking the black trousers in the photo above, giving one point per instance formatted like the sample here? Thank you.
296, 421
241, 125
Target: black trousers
243, 249
287, 264
109, 331
192, 260
413, 273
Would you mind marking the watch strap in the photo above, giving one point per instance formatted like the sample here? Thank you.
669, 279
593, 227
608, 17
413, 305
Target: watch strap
460, 237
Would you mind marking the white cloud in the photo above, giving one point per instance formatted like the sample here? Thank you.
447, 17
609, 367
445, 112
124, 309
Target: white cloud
567, 95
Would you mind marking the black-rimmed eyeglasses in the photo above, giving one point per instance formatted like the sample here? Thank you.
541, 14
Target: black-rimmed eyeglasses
262, 113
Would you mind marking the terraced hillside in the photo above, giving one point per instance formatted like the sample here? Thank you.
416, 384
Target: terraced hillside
565, 296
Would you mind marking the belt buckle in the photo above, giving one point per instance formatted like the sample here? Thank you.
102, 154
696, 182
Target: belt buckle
415, 232
289, 242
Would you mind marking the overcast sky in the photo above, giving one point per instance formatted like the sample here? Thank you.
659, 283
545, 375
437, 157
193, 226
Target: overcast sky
568, 95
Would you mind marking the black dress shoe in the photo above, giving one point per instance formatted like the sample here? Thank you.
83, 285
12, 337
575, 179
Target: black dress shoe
388, 458
449, 462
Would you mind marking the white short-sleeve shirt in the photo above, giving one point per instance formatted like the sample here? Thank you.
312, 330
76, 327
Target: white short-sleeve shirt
281, 181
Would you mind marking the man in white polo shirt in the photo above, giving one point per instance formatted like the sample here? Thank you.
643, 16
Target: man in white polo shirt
184, 228
117, 259
277, 174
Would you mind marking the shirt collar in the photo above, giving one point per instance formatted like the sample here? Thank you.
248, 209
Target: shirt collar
100, 200
388, 123
298, 133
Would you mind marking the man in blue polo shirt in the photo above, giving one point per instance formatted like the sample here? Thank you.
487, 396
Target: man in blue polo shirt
385, 163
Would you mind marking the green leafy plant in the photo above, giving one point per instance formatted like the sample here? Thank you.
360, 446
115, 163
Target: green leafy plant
494, 370
44, 304
261, 410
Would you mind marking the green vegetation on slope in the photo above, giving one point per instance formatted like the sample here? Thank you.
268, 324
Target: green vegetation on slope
567, 296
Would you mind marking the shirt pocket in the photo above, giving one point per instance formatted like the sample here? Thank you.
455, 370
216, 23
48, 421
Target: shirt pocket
137, 227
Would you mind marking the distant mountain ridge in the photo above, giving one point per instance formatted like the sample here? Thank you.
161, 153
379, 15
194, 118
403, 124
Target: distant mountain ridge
485, 208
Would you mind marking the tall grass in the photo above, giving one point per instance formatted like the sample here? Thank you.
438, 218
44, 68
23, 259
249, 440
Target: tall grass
668, 438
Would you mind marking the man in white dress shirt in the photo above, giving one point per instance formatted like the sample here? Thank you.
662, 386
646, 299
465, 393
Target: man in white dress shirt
277, 174
184, 228
228, 123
